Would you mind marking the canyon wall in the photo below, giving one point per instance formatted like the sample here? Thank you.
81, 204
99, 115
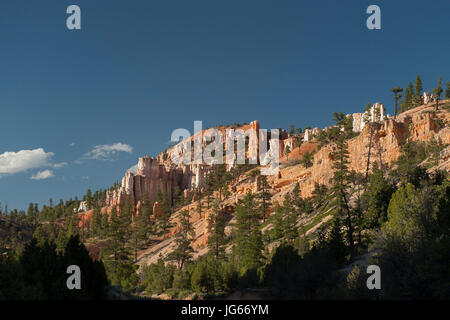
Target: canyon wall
161, 173
419, 124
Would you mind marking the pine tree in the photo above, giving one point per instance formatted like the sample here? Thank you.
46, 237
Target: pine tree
437, 92
178, 197
375, 199
287, 151
198, 194
216, 229
94, 281
358, 183
319, 194
340, 187
96, 221
115, 237
104, 226
292, 129
145, 223
408, 99
246, 223
183, 251
252, 254
277, 231
447, 91
417, 99
118, 237
163, 222
336, 243
397, 96
89, 199
61, 239
246, 214
222, 177
263, 195
307, 159
134, 241
289, 217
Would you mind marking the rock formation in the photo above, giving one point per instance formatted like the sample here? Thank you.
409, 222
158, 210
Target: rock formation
151, 176
376, 113
389, 135
418, 124
161, 173
428, 98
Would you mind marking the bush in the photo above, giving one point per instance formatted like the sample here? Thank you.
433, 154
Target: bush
157, 277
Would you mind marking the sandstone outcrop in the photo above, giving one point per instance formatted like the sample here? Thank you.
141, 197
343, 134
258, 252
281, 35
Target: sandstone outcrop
161, 173
376, 113
151, 176
418, 124
428, 98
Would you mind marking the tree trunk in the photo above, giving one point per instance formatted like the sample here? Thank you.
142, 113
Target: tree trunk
369, 152
395, 112
349, 226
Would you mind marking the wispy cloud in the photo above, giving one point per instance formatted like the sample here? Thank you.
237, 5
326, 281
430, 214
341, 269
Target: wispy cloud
23, 160
106, 151
59, 165
72, 144
41, 175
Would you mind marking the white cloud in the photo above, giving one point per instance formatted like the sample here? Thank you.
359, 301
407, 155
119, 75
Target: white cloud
106, 151
46, 174
23, 160
59, 165
72, 144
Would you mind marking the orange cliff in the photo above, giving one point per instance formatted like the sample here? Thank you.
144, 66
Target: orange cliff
423, 124
160, 173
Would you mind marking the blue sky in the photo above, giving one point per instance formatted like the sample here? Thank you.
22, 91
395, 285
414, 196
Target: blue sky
139, 69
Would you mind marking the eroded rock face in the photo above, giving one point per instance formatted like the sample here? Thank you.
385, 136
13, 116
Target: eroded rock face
82, 207
150, 177
422, 124
376, 113
358, 122
161, 173
427, 97
389, 135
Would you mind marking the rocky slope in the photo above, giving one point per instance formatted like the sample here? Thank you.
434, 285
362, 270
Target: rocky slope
389, 133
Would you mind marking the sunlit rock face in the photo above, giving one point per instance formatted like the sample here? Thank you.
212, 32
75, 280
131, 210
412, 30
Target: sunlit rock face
376, 113
151, 176
160, 173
